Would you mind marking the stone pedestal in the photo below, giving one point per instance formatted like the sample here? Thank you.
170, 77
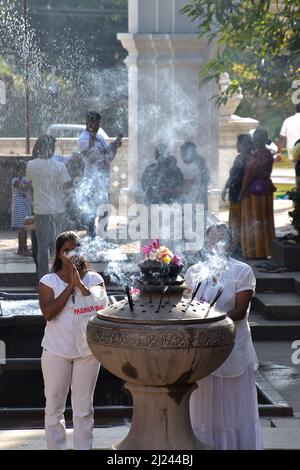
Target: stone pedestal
168, 405
160, 344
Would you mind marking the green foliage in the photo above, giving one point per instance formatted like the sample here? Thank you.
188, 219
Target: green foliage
95, 23
294, 195
261, 38
73, 49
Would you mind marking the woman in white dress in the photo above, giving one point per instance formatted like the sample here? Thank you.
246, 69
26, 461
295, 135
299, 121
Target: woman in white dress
69, 296
224, 407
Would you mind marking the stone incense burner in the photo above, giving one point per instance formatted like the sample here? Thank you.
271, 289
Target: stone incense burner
160, 345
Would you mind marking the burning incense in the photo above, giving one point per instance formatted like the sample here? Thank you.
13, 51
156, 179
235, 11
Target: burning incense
129, 297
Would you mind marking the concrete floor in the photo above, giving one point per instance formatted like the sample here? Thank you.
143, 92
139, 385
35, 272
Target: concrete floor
279, 433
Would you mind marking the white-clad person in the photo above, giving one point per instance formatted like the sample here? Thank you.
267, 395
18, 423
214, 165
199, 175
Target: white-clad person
96, 155
290, 132
224, 407
66, 359
49, 179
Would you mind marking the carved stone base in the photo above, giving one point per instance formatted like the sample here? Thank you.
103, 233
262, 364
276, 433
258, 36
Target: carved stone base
161, 419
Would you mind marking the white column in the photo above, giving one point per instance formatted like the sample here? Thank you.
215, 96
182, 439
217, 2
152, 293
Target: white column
166, 102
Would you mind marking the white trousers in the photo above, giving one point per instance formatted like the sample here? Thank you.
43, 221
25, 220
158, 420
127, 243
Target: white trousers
59, 374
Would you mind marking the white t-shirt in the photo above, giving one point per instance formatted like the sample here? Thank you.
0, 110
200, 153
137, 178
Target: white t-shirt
60, 336
291, 130
60, 158
48, 177
237, 277
91, 168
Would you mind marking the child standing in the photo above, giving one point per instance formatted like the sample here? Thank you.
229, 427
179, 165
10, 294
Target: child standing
20, 206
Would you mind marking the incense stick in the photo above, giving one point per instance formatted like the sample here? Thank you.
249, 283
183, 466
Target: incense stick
129, 297
193, 295
219, 293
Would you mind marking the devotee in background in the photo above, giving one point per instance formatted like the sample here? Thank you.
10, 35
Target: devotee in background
257, 228
49, 179
96, 155
162, 181
170, 180
233, 187
196, 175
224, 408
20, 206
66, 359
289, 133
149, 181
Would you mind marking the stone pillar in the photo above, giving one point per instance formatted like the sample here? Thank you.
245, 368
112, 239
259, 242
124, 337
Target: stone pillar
166, 102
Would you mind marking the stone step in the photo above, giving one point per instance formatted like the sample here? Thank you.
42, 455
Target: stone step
18, 279
278, 283
280, 438
271, 403
18, 418
297, 286
263, 329
293, 423
276, 305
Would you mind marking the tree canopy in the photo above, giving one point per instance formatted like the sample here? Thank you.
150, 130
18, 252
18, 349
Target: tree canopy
259, 42
72, 59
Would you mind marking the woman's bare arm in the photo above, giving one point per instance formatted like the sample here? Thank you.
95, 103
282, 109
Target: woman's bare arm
50, 306
241, 305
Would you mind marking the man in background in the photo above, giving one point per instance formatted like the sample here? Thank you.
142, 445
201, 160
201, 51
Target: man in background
290, 133
96, 155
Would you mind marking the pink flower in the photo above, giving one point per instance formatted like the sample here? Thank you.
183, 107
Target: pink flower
176, 260
135, 291
146, 250
155, 244
151, 248
155, 252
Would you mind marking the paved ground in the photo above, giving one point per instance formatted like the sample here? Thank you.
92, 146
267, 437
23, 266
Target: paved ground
278, 433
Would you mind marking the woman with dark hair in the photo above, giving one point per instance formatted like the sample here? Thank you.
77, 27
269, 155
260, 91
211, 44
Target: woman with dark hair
67, 360
49, 179
258, 230
234, 186
224, 408
44, 147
